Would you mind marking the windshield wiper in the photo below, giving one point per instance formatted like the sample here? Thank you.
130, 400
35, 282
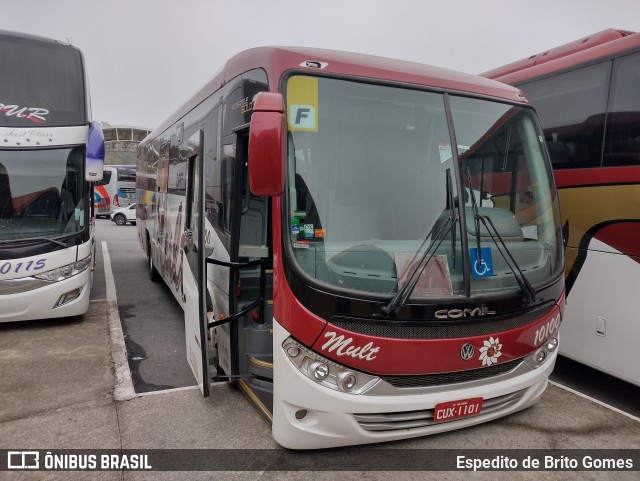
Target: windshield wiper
27, 239
528, 291
403, 295
476, 215
452, 214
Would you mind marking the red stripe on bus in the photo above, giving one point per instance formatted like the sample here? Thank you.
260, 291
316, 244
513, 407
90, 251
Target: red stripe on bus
597, 176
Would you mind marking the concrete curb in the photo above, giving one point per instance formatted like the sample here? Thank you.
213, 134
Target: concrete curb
123, 389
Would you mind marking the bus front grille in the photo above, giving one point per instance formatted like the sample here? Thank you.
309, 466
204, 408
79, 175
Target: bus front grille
420, 419
451, 377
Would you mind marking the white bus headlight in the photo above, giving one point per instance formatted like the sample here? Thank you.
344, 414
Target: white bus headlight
325, 372
542, 354
64, 272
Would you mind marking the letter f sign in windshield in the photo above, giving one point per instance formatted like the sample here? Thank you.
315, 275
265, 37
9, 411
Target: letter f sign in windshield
302, 117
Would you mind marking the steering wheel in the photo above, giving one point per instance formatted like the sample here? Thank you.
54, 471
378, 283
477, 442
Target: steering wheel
45, 206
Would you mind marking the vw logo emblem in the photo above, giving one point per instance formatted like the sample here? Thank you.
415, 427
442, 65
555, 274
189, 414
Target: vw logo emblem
466, 351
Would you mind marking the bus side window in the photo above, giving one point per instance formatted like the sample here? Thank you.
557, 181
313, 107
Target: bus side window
622, 139
575, 132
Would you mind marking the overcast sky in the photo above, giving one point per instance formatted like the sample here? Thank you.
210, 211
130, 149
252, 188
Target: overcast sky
145, 58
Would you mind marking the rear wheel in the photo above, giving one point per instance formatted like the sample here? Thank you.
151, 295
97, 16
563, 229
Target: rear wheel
120, 219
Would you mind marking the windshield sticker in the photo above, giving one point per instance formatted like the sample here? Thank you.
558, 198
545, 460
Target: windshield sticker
299, 214
302, 103
301, 245
309, 231
302, 117
435, 279
445, 152
35, 114
482, 267
320, 233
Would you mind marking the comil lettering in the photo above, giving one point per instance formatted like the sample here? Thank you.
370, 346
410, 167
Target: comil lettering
462, 313
343, 347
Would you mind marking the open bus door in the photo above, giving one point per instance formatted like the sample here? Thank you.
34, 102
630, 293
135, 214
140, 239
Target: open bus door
266, 138
194, 280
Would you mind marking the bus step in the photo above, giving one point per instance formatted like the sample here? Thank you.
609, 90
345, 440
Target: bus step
261, 367
260, 392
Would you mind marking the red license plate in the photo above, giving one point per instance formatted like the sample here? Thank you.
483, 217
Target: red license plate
457, 409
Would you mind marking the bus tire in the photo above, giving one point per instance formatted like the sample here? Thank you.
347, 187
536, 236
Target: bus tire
154, 275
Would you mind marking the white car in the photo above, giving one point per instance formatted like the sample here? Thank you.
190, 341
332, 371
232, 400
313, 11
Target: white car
122, 215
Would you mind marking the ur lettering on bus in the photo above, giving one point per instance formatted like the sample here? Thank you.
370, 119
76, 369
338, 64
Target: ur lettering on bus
35, 114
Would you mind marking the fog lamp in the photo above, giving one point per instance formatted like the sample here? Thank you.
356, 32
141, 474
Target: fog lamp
68, 297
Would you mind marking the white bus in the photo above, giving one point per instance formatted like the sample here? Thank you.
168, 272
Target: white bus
50, 152
358, 278
587, 93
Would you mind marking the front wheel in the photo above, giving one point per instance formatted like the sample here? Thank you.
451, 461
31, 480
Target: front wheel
120, 219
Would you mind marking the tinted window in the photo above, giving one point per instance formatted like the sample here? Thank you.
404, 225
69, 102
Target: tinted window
622, 140
572, 110
106, 178
41, 84
239, 99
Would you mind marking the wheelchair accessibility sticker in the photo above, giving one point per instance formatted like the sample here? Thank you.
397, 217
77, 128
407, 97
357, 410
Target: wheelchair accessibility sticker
482, 267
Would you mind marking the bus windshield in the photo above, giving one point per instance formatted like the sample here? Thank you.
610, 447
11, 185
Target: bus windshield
372, 188
41, 193
41, 84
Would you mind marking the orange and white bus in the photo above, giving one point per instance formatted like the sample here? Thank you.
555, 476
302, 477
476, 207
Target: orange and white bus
370, 249
587, 94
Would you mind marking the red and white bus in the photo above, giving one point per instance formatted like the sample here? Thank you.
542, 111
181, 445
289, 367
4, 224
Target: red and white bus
358, 278
50, 153
587, 94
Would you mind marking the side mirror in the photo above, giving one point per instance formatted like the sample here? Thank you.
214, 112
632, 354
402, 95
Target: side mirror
267, 145
94, 160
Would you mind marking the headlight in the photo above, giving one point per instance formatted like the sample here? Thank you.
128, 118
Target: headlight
542, 354
64, 272
325, 372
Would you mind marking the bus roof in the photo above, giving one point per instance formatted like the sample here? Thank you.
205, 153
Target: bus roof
277, 60
35, 38
579, 52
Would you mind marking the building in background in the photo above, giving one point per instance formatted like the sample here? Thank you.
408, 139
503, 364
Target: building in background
117, 188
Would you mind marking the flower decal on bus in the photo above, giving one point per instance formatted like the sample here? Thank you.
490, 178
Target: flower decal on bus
490, 352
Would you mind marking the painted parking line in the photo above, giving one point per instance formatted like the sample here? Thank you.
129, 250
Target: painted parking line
582, 395
123, 384
178, 389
